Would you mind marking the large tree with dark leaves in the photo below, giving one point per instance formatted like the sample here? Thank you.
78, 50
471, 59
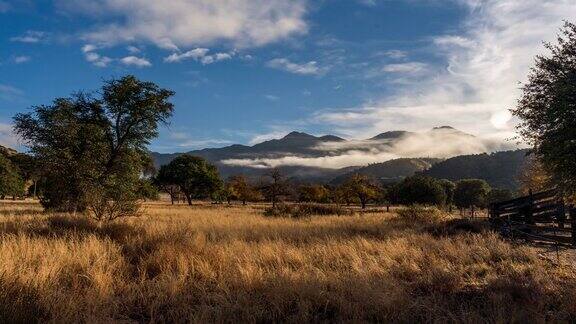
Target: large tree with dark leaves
547, 109
92, 149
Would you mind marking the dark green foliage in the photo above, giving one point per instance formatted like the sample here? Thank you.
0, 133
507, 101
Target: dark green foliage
147, 190
449, 188
195, 177
547, 109
11, 183
305, 210
419, 190
471, 193
390, 171
500, 170
91, 151
496, 195
313, 194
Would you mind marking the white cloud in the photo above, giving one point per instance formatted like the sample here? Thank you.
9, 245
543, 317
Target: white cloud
310, 68
409, 67
95, 58
31, 36
438, 143
184, 23
136, 61
9, 93
485, 62
199, 55
271, 97
393, 54
133, 49
7, 137
21, 59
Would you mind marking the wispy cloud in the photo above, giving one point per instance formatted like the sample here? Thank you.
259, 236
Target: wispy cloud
31, 36
200, 55
184, 23
21, 59
135, 61
10, 93
96, 59
484, 64
309, 68
409, 67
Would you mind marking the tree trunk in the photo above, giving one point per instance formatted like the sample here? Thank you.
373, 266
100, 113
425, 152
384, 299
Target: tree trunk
363, 203
244, 202
189, 199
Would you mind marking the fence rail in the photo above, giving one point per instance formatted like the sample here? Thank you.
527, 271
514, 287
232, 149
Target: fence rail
542, 216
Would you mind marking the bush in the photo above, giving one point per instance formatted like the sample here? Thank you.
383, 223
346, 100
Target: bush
416, 213
305, 210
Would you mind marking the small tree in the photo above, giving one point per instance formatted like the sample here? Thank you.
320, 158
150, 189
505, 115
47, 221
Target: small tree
497, 195
361, 187
471, 193
276, 187
421, 190
11, 184
449, 188
194, 176
313, 193
238, 188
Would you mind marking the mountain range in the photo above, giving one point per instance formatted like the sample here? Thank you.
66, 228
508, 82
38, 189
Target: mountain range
388, 156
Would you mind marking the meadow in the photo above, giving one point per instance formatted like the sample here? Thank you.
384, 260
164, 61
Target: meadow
209, 263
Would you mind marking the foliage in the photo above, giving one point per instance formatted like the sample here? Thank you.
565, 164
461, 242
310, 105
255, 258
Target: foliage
471, 193
147, 190
500, 169
420, 190
238, 188
305, 210
534, 177
496, 195
11, 184
91, 151
194, 176
276, 186
449, 188
362, 188
313, 194
418, 213
547, 109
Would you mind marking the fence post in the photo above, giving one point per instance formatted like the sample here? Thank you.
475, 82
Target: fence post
573, 224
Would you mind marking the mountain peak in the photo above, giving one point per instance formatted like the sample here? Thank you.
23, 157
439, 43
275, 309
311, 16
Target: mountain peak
390, 135
293, 135
444, 127
332, 138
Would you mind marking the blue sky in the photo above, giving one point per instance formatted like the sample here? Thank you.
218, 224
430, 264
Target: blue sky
250, 70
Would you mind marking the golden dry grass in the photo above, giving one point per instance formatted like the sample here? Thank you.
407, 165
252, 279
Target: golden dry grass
231, 264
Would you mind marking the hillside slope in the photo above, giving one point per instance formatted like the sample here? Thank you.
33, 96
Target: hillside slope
390, 171
500, 170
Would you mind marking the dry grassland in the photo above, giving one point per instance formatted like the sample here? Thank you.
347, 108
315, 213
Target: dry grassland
232, 264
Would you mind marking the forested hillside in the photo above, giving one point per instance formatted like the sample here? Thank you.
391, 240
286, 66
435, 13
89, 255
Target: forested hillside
500, 170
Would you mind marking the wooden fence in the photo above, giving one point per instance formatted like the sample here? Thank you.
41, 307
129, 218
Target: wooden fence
541, 216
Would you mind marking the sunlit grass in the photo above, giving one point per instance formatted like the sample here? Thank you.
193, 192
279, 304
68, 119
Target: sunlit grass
219, 263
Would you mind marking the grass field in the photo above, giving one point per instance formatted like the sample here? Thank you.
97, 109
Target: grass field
232, 264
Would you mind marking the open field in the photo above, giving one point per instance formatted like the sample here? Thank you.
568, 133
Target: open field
227, 264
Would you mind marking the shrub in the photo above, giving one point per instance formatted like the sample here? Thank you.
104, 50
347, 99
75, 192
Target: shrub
305, 210
416, 213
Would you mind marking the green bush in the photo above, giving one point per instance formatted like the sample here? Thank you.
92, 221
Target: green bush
305, 210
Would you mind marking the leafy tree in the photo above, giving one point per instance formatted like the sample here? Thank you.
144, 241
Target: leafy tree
276, 187
147, 190
313, 193
534, 177
11, 184
238, 188
547, 109
361, 187
471, 193
92, 151
496, 195
449, 188
420, 190
194, 176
